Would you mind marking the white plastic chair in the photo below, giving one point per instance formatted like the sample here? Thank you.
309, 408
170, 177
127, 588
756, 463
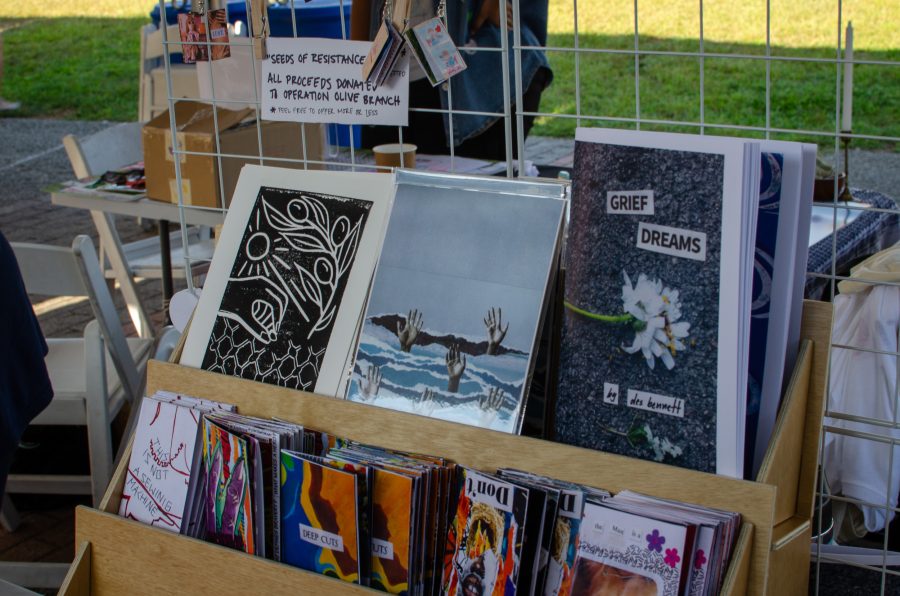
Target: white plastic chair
154, 97
106, 150
92, 376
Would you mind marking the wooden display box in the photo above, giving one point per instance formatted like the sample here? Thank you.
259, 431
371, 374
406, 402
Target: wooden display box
791, 462
116, 555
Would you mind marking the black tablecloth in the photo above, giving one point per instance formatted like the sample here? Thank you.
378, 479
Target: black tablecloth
870, 232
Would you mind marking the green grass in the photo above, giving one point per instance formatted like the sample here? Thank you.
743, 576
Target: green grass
79, 59
73, 67
802, 93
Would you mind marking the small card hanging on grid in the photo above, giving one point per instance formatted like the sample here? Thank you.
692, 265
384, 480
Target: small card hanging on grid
435, 50
192, 29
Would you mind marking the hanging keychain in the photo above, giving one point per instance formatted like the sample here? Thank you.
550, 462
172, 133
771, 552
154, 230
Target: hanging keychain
434, 48
386, 47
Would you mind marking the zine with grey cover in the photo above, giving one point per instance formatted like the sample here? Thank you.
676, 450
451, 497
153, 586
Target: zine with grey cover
639, 361
456, 304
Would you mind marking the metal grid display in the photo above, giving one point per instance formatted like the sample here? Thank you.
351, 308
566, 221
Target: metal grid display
768, 58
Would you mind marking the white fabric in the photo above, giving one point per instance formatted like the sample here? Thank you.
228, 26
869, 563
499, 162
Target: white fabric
865, 384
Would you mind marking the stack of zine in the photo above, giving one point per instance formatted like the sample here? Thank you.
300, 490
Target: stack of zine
367, 515
635, 544
514, 532
684, 273
202, 470
162, 458
407, 523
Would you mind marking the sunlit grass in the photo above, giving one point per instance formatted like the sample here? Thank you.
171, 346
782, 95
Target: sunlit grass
45, 9
79, 59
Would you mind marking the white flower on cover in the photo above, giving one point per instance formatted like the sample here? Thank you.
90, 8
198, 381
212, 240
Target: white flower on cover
657, 309
661, 446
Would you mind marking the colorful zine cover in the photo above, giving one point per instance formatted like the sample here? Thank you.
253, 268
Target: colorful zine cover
160, 467
564, 544
228, 502
319, 517
393, 502
623, 553
654, 342
289, 279
435, 50
458, 298
774, 282
484, 543
193, 33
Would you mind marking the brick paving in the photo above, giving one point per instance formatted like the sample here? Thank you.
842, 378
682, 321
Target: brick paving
32, 158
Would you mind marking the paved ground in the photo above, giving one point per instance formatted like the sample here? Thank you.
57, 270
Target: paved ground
875, 170
31, 158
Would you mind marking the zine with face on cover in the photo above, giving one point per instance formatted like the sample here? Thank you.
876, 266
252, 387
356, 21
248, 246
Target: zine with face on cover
485, 537
654, 341
289, 278
457, 299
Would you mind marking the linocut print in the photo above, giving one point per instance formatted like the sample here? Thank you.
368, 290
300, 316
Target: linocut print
285, 287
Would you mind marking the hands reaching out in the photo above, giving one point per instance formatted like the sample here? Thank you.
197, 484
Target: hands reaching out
456, 364
490, 404
369, 385
425, 403
493, 322
409, 330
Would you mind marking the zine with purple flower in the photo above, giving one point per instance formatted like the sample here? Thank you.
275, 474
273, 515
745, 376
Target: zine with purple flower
655, 265
621, 552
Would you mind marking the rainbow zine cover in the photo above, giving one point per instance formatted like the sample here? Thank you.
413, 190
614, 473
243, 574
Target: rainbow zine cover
319, 517
484, 543
229, 508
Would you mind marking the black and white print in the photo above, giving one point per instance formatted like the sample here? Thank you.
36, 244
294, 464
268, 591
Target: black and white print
285, 287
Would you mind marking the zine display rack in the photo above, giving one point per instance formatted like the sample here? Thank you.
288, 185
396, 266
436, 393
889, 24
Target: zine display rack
116, 555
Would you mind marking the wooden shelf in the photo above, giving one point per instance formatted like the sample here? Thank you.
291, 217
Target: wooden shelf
119, 555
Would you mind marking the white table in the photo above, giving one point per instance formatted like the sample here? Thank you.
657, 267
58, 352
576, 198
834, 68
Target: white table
104, 205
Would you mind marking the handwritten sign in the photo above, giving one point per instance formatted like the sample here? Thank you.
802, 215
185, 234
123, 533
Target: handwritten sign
320, 80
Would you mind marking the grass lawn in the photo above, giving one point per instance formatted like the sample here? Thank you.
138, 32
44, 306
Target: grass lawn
79, 59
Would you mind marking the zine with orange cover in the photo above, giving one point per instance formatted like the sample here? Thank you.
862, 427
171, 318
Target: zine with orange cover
320, 505
390, 525
485, 539
228, 501
393, 501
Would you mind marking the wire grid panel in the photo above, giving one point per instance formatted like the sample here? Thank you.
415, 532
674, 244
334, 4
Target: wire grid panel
712, 67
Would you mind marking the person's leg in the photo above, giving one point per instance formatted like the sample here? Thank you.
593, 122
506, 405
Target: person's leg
491, 144
5, 105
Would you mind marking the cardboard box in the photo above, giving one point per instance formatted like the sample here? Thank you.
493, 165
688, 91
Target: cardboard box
196, 127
